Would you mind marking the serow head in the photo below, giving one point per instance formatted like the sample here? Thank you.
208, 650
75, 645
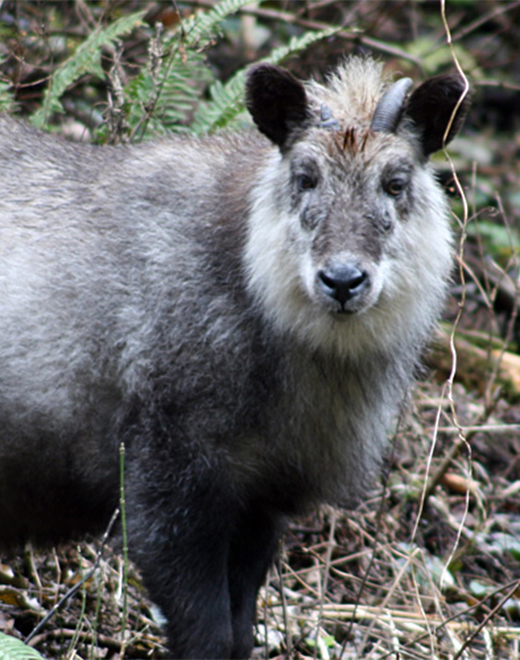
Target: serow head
349, 207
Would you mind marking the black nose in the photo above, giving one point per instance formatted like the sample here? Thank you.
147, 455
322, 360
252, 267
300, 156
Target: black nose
344, 281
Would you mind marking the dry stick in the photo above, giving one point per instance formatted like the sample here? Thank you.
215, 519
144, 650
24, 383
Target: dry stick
514, 586
79, 584
285, 616
426, 489
486, 620
373, 555
514, 311
462, 441
483, 428
122, 504
383, 605
266, 617
58, 575
86, 637
465, 220
297, 577
350, 35
156, 57
484, 19
466, 439
500, 84
79, 623
34, 573
463, 32
448, 389
318, 4
326, 573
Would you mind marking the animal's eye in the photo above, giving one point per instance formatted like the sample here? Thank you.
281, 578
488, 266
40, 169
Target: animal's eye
306, 182
395, 187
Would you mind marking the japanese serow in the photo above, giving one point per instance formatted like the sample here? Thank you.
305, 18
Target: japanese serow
245, 312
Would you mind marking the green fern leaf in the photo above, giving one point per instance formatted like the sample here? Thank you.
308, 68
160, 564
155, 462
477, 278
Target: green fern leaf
86, 59
297, 44
13, 649
184, 75
174, 94
202, 26
227, 101
6, 96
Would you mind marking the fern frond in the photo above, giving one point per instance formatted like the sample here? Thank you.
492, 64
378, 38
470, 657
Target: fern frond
297, 44
201, 27
163, 96
165, 102
6, 96
227, 101
174, 95
86, 59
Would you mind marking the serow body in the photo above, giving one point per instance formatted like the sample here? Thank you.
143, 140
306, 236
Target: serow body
245, 312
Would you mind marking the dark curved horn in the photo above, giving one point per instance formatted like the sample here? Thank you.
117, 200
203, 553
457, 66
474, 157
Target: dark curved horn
388, 110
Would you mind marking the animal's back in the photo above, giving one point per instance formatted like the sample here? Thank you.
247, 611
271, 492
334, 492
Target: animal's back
108, 293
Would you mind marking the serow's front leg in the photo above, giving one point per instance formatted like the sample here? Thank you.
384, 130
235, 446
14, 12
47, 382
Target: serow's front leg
252, 548
180, 521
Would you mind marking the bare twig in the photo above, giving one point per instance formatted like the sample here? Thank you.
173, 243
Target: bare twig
308, 24
326, 572
482, 20
122, 505
487, 619
79, 584
462, 440
511, 586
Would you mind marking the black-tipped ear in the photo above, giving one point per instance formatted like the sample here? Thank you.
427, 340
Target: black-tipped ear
431, 106
277, 102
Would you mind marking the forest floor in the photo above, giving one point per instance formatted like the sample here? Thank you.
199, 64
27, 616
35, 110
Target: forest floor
399, 577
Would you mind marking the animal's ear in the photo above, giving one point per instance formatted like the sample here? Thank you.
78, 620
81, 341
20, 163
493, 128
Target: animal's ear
277, 102
431, 106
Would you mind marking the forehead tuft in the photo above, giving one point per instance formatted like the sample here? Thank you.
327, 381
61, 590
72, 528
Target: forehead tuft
352, 149
351, 92
352, 140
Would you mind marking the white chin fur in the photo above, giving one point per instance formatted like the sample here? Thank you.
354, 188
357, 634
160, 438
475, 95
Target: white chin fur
408, 288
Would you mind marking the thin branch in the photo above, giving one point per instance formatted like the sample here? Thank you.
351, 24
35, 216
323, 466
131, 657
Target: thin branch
79, 584
487, 619
308, 24
502, 9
